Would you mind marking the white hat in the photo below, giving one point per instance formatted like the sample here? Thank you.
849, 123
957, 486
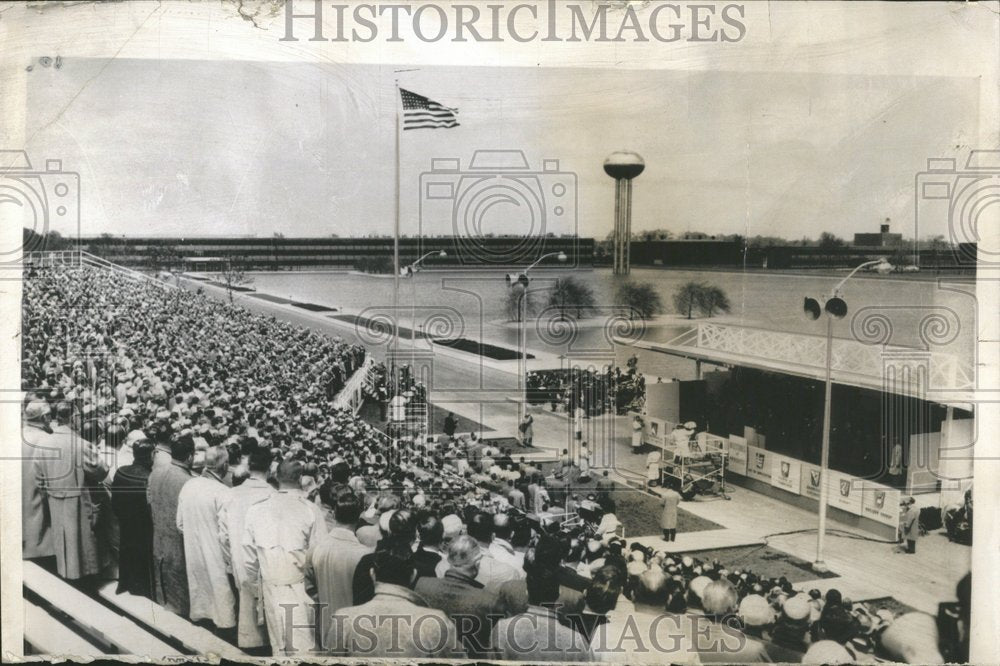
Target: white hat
699, 584
827, 652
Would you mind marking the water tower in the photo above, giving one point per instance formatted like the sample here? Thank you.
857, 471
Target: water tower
623, 166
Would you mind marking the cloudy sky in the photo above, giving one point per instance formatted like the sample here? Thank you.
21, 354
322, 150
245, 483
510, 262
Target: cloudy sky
203, 147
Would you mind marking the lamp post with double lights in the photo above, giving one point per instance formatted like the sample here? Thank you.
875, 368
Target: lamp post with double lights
522, 342
835, 308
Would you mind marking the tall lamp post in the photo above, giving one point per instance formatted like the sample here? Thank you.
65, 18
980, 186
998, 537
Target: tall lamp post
522, 342
410, 271
835, 308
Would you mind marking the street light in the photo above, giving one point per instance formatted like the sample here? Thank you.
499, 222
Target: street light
835, 308
409, 271
522, 343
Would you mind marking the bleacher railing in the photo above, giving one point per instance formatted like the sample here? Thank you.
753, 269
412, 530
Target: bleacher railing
78, 258
353, 394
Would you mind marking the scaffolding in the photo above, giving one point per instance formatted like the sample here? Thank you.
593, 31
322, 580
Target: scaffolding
700, 469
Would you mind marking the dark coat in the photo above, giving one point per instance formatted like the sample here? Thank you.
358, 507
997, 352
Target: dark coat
128, 501
467, 603
513, 598
169, 565
425, 562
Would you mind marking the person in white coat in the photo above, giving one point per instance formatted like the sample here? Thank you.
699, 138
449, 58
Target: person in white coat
198, 506
637, 428
251, 630
653, 468
280, 534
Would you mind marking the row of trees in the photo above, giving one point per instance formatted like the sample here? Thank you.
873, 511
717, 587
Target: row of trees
572, 297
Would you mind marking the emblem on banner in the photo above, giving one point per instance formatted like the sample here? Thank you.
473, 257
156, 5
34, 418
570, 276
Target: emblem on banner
879, 499
814, 477
845, 487
760, 461
786, 469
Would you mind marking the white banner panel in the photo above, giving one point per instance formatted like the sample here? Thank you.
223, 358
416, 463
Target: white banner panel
656, 432
786, 473
845, 492
758, 464
810, 480
737, 462
881, 503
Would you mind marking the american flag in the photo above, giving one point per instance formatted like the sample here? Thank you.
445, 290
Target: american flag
420, 112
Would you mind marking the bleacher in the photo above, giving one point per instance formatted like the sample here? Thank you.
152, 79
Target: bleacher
60, 619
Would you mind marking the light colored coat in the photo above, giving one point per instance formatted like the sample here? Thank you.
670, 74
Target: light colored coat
36, 526
278, 539
232, 520
493, 572
668, 519
198, 507
334, 561
65, 476
395, 624
909, 523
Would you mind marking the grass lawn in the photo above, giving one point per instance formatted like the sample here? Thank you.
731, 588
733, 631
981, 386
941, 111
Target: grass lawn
764, 561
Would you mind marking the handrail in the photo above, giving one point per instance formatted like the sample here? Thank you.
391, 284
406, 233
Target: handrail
94, 260
352, 395
78, 258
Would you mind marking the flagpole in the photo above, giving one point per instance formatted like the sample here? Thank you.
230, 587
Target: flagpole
395, 255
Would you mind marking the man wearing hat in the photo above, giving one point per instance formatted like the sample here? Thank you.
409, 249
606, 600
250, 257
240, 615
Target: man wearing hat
128, 501
65, 474
36, 530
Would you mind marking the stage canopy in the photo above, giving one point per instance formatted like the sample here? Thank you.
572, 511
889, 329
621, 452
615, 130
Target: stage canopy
919, 373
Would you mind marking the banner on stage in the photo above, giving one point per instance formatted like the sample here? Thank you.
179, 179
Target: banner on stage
880, 503
758, 464
737, 449
656, 432
786, 473
845, 492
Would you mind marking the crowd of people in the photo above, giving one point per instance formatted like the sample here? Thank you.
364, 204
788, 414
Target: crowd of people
185, 447
610, 390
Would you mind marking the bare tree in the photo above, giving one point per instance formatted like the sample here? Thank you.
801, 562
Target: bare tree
234, 275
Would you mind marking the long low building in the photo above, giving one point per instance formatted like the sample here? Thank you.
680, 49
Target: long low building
375, 254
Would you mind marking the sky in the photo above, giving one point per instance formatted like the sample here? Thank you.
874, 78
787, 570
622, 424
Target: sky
198, 147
